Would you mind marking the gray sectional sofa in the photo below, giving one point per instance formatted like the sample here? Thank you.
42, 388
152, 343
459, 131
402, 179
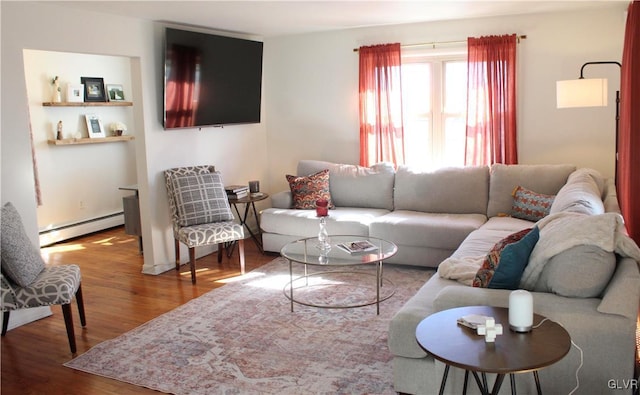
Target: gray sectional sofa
586, 274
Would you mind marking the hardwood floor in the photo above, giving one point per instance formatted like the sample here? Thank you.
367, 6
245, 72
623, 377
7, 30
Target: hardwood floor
117, 297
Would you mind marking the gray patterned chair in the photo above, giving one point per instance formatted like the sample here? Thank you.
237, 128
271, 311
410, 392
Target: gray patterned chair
200, 213
27, 282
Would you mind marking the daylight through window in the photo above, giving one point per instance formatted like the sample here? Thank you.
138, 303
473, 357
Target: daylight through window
434, 96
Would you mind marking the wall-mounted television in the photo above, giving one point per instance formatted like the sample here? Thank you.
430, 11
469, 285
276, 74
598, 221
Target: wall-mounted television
210, 80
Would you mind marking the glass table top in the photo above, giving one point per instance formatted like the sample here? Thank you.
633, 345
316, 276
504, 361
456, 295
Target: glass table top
307, 251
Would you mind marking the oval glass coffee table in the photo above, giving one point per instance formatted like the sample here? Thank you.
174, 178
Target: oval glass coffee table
338, 261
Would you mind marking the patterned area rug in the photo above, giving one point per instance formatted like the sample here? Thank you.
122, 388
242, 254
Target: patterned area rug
242, 338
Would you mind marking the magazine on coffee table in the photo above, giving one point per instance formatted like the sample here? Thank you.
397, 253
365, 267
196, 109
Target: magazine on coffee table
358, 246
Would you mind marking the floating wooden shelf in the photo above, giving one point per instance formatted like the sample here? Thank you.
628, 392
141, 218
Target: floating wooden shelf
95, 140
89, 104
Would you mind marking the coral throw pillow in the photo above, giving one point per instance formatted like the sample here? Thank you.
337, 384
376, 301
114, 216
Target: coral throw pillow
530, 205
504, 264
305, 190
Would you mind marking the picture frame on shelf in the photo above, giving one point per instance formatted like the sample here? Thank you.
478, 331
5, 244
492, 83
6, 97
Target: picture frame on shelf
75, 93
95, 128
115, 92
93, 89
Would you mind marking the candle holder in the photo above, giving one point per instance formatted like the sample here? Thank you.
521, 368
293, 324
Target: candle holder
323, 236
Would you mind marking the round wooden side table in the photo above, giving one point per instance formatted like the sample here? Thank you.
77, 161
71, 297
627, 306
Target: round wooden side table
447, 341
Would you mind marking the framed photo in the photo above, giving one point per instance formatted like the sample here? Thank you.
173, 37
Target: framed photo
75, 93
93, 89
115, 92
94, 126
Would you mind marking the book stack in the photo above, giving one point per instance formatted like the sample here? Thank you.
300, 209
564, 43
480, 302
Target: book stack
237, 191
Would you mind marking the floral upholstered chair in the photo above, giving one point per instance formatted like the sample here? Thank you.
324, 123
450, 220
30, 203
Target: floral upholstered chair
200, 212
27, 282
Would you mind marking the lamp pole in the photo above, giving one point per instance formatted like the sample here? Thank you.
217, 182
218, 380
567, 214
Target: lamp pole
617, 108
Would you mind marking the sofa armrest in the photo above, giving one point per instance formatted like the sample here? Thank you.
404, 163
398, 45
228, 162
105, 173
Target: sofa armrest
282, 199
622, 295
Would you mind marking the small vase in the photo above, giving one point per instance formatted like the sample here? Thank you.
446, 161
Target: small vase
323, 236
57, 96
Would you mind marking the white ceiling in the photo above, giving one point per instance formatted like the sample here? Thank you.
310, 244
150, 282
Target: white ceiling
276, 18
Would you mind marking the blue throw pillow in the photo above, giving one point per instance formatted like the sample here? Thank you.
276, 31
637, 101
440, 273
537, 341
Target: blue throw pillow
513, 260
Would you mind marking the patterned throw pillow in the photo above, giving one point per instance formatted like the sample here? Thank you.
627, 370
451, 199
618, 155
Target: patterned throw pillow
305, 190
530, 205
504, 264
201, 199
21, 260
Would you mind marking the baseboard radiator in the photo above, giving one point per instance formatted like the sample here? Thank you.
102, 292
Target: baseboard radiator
80, 228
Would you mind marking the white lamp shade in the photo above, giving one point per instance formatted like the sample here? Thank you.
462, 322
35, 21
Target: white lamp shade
584, 92
520, 311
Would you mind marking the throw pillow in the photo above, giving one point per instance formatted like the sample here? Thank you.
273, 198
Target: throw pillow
201, 199
21, 260
530, 205
583, 271
504, 264
305, 190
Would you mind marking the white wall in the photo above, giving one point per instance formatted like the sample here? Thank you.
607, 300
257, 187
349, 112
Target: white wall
78, 182
312, 82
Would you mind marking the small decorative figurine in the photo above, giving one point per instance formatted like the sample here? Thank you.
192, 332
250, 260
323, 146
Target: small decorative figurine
59, 134
57, 93
490, 330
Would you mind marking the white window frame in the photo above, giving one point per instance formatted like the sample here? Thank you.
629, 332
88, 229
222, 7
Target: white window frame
437, 57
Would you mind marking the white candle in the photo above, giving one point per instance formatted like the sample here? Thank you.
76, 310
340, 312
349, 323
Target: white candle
520, 311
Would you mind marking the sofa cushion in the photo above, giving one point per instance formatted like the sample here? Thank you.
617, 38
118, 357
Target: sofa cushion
415, 228
356, 186
306, 190
579, 272
21, 260
449, 190
505, 262
546, 179
581, 194
200, 199
530, 205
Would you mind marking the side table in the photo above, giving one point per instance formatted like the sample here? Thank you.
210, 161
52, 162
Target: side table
250, 203
443, 338
131, 206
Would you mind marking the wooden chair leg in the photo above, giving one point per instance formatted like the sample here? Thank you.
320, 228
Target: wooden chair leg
5, 322
68, 322
241, 253
80, 301
192, 263
177, 248
220, 248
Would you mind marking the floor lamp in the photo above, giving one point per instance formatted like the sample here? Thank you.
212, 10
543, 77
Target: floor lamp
588, 92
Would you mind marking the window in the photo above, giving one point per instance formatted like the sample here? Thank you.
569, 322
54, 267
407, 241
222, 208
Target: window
434, 96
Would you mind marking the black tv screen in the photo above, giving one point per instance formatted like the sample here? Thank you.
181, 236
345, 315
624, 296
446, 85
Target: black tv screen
210, 80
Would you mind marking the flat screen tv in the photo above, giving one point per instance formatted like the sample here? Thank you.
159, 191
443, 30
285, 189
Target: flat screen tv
210, 80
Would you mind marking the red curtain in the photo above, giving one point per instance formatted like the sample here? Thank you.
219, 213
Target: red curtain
491, 101
183, 85
629, 137
381, 130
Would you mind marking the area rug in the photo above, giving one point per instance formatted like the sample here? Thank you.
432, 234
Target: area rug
242, 338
